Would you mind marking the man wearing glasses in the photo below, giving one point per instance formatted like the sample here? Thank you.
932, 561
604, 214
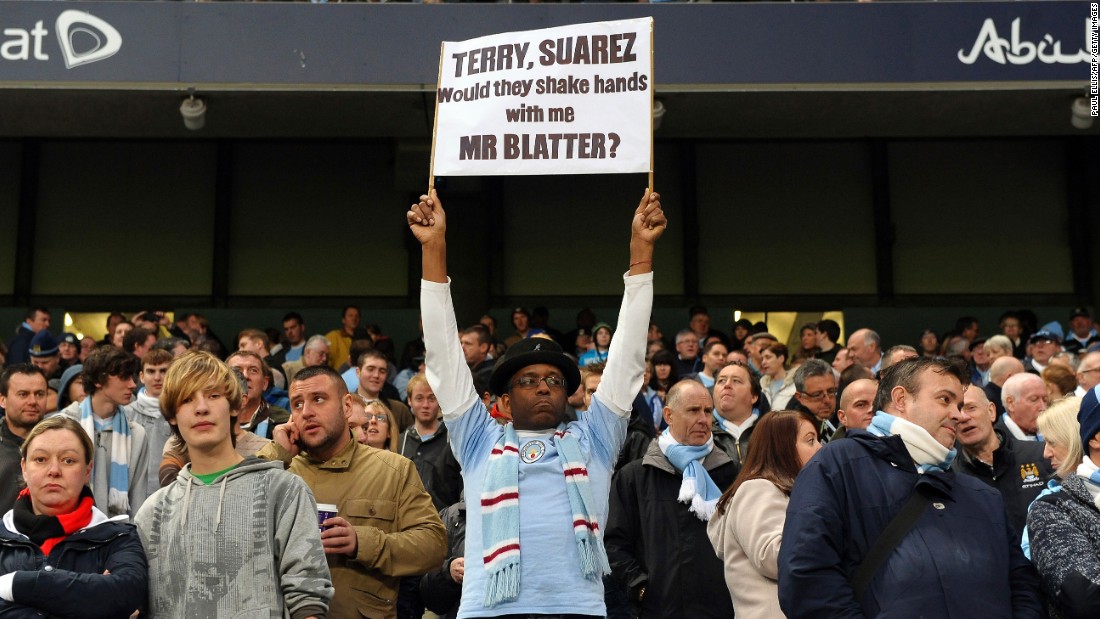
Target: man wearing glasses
536, 482
815, 389
1088, 373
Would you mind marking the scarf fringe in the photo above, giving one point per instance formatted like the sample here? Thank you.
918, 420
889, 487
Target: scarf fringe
703, 508
594, 564
502, 585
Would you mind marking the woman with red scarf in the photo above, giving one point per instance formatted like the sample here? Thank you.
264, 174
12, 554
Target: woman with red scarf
59, 555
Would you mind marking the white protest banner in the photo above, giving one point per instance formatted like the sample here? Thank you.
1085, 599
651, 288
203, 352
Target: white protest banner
567, 100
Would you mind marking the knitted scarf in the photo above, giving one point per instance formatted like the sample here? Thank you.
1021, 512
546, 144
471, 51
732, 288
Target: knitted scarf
698, 488
500, 515
48, 531
118, 476
1090, 474
927, 453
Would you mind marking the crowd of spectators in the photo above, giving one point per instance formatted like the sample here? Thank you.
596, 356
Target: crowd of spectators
692, 497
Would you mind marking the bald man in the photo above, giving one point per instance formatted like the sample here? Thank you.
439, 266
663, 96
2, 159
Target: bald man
1088, 373
857, 406
999, 372
1025, 396
865, 348
1016, 468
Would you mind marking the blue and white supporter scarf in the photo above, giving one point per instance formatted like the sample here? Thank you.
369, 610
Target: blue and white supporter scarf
697, 489
118, 476
500, 515
927, 453
1090, 473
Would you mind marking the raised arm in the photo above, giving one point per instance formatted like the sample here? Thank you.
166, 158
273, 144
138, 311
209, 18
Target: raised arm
622, 379
446, 368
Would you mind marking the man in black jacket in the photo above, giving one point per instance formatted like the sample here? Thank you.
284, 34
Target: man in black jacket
658, 546
1016, 468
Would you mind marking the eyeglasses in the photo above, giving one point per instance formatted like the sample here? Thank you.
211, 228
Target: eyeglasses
380, 418
817, 395
531, 382
1089, 370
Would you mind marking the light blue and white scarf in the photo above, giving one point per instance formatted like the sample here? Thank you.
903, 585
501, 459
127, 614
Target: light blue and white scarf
500, 515
697, 489
733, 429
927, 453
118, 495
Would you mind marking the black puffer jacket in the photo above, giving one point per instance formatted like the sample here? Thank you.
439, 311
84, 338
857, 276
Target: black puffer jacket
70, 582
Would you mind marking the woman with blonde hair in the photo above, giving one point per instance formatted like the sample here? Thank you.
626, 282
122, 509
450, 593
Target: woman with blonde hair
747, 526
1062, 439
373, 423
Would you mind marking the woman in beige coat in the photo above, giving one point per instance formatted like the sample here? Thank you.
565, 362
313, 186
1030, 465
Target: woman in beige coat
747, 527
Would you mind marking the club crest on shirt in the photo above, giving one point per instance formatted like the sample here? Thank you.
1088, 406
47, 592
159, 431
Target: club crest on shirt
532, 451
1029, 473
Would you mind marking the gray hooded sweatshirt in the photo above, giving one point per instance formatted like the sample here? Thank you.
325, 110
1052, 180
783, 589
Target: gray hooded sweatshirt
247, 545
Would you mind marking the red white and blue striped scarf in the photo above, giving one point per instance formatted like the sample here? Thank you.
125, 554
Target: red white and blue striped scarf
500, 515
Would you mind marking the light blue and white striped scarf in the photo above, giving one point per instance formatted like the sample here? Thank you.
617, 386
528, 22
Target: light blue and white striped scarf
927, 453
118, 495
500, 515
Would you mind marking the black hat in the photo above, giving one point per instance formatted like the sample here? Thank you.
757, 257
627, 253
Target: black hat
531, 351
976, 342
1079, 311
70, 338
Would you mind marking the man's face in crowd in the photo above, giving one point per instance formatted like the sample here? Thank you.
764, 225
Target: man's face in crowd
473, 349
843, 360
737, 357
715, 359
254, 375
687, 347
700, 324
87, 345
204, 420
539, 407
320, 414
351, 320
294, 331
857, 404
520, 321
47, 364
689, 415
733, 392
423, 404
976, 422
971, 331
251, 344
117, 390
194, 324
372, 375
819, 396
1010, 327
1088, 372
1081, 325
1025, 410
862, 351
69, 351
1043, 350
979, 356
112, 322
120, 332
809, 339
317, 355
936, 406
591, 383
152, 376
654, 333
146, 346
40, 321
25, 402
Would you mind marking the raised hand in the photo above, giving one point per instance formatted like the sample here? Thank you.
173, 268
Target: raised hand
649, 219
427, 220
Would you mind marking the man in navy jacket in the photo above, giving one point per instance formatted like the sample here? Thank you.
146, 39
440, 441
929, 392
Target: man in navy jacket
961, 559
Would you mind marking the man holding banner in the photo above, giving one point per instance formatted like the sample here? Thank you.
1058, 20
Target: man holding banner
536, 482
